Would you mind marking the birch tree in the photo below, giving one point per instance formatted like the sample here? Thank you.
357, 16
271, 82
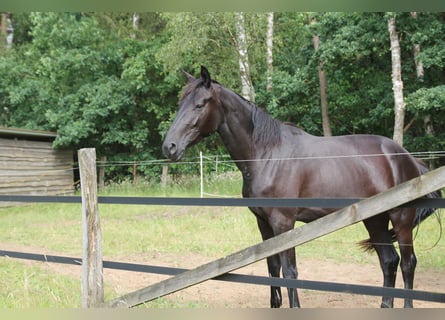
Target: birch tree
397, 83
247, 90
7, 30
135, 24
269, 44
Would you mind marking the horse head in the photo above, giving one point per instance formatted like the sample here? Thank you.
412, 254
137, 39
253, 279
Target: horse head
200, 114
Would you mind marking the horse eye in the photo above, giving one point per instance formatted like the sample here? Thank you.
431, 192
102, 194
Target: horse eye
202, 104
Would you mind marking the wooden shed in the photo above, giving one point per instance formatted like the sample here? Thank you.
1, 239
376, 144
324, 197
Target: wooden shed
29, 165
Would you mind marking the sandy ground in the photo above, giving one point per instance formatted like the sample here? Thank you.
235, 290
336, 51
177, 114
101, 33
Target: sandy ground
220, 294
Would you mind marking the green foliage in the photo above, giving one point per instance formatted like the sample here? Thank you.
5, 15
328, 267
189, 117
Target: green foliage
100, 82
428, 102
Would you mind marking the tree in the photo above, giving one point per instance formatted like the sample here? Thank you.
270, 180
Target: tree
416, 53
397, 83
92, 86
269, 56
7, 30
247, 90
292, 98
420, 72
323, 89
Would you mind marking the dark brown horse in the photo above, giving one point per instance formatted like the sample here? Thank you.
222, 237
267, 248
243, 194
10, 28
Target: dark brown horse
281, 160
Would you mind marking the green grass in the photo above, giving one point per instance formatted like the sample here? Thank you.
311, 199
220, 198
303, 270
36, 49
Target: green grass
129, 230
25, 286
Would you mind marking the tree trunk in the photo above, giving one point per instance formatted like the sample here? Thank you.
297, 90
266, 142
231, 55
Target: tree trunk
416, 50
397, 83
420, 72
269, 44
323, 92
101, 178
135, 23
247, 90
9, 32
3, 27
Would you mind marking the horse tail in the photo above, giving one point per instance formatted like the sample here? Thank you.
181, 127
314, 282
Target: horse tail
366, 245
421, 213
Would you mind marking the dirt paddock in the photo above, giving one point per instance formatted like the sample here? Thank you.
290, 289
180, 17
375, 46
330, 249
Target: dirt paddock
221, 294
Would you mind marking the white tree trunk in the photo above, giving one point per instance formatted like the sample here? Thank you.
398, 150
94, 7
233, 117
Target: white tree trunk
7, 30
397, 83
247, 90
135, 23
327, 132
269, 44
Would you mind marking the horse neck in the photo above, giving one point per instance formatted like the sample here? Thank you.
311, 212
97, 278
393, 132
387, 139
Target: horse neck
237, 128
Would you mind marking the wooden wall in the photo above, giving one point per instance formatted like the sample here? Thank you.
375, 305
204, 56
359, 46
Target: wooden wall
34, 168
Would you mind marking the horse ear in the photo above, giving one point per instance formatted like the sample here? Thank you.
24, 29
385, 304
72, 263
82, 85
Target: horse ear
188, 76
205, 76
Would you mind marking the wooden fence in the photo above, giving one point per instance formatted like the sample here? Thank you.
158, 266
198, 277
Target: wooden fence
92, 283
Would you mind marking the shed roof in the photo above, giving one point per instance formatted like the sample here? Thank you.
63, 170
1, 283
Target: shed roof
27, 134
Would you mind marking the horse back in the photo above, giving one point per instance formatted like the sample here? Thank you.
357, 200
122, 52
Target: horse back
345, 166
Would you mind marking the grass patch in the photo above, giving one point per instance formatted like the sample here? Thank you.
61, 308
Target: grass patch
25, 286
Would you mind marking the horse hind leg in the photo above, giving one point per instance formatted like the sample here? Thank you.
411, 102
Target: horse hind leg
381, 240
403, 225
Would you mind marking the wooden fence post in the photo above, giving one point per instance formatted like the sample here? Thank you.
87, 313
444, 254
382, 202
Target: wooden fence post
92, 265
164, 176
103, 161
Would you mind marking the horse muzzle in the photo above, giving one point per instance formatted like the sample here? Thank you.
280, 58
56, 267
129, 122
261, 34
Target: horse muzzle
171, 151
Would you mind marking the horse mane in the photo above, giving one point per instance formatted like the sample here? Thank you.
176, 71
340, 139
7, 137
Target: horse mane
266, 130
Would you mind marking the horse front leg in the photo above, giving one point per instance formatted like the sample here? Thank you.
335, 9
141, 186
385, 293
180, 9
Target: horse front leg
280, 223
273, 264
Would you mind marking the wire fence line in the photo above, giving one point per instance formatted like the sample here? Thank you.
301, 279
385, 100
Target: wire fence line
227, 161
220, 159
